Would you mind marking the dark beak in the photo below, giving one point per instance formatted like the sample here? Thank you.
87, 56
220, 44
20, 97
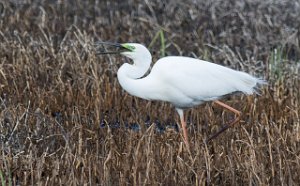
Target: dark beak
118, 46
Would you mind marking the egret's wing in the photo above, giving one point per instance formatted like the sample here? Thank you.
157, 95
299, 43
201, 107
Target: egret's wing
201, 80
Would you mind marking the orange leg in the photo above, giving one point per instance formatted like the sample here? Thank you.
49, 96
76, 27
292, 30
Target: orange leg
185, 134
183, 124
230, 124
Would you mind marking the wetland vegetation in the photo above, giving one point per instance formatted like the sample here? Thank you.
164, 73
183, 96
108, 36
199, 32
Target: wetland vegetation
64, 119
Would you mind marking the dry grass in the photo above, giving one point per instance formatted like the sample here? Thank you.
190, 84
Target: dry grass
65, 120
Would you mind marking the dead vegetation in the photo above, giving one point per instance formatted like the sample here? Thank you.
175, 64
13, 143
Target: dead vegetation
65, 120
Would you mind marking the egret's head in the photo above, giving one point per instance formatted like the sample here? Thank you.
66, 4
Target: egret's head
135, 51
130, 50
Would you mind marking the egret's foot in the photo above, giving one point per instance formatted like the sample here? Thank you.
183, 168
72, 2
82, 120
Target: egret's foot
236, 120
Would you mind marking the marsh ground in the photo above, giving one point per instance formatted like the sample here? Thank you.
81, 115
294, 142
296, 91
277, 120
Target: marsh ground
65, 120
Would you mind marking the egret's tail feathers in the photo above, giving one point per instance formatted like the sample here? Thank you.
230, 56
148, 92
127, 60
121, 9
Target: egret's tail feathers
260, 82
249, 84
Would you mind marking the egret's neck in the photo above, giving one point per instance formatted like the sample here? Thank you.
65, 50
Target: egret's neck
128, 76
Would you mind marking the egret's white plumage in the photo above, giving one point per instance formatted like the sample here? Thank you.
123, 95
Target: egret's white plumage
183, 81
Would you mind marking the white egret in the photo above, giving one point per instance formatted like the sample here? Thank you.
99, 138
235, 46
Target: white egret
182, 81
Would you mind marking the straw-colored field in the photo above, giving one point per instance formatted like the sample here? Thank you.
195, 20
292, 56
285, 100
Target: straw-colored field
64, 119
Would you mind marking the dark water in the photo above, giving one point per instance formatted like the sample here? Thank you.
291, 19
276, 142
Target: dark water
136, 127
